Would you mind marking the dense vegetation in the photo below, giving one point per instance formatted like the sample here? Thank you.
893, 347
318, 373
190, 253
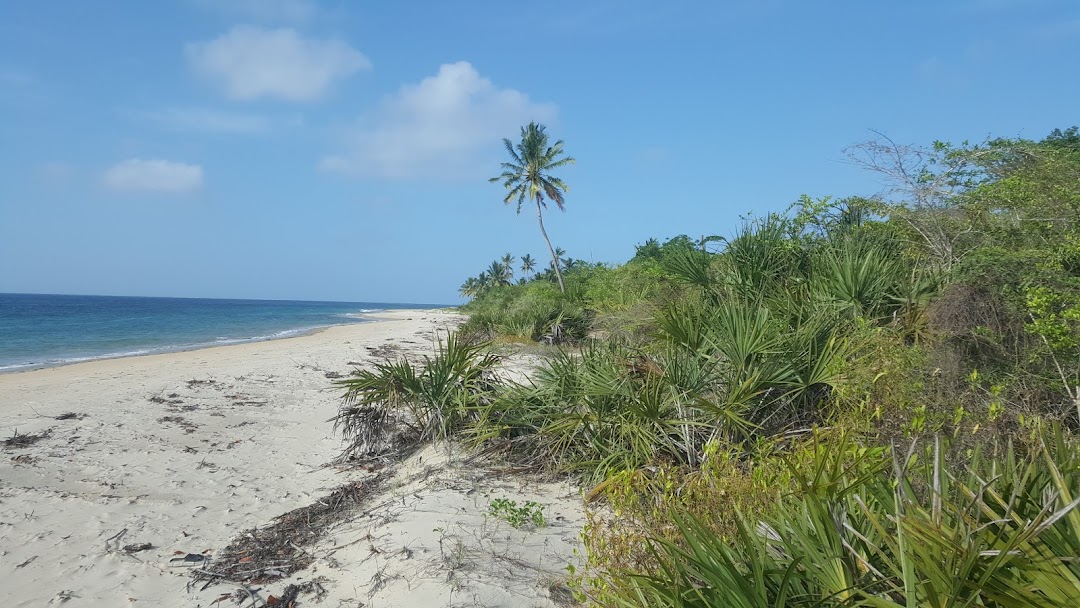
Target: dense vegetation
856, 402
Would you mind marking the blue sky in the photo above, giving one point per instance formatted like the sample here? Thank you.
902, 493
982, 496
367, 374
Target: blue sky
339, 150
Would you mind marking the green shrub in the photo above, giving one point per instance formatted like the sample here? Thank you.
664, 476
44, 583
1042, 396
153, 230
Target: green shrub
604, 410
887, 529
534, 311
434, 401
528, 514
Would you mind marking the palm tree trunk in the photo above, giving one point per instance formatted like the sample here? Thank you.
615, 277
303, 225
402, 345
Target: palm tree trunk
554, 260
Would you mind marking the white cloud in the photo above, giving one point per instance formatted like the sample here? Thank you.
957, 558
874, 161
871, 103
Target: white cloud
441, 127
153, 175
209, 120
272, 11
251, 62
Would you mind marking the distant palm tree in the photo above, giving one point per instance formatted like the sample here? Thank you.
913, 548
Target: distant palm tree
528, 264
557, 260
470, 288
498, 274
508, 262
527, 177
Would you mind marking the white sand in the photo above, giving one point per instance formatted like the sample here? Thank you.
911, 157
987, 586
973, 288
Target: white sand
244, 443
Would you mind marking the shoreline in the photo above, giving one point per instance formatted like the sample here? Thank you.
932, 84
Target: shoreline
363, 318
183, 452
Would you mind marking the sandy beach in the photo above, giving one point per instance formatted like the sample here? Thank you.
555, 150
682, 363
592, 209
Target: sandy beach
185, 451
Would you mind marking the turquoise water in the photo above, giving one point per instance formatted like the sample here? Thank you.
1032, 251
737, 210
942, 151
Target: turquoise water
45, 330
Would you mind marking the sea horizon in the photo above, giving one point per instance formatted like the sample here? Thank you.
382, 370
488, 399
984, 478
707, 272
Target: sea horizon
49, 330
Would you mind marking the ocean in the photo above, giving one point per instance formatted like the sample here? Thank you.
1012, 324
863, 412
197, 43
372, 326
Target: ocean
47, 330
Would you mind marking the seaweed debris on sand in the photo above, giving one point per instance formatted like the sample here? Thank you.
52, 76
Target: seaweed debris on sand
262, 555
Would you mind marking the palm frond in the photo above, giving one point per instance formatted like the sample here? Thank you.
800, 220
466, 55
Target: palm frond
509, 145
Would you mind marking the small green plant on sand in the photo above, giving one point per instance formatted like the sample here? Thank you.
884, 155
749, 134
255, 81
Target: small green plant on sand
529, 514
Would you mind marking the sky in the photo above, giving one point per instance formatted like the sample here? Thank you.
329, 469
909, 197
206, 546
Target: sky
340, 150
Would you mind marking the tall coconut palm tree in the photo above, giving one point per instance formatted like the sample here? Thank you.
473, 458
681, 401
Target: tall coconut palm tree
508, 263
527, 177
528, 264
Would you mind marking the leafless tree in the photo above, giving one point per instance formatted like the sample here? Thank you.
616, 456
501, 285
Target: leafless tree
922, 191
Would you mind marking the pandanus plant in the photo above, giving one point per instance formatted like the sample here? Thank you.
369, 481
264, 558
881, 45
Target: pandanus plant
888, 529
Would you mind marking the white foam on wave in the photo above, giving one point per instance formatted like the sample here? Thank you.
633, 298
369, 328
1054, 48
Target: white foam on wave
172, 348
362, 313
356, 317
69, 360
16, 366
